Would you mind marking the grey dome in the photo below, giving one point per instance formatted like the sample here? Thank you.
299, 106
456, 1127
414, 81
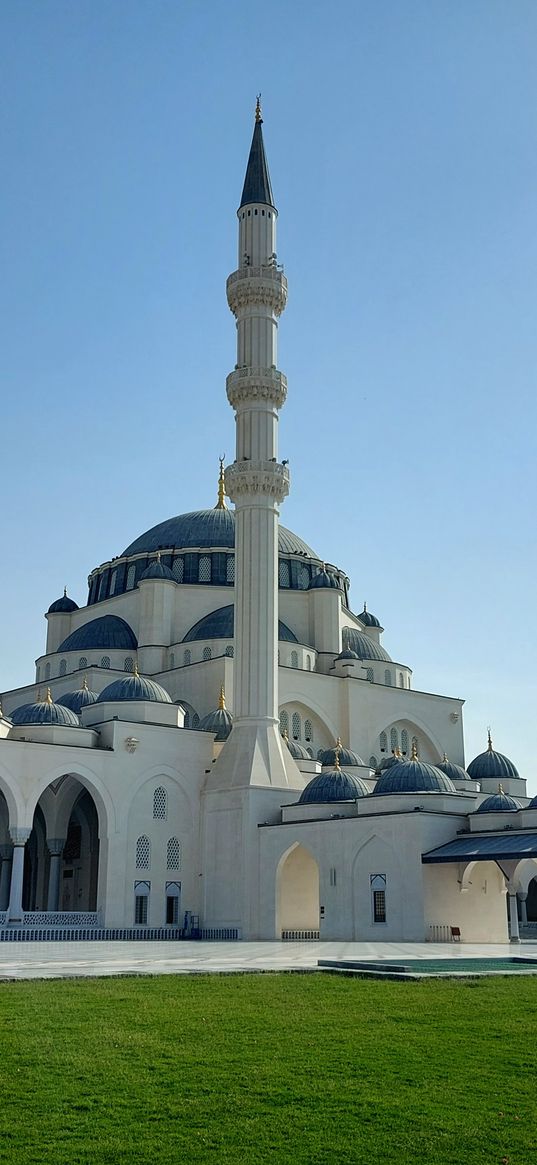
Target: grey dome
108, 631
499, 802
220, 624
368, 619
298, 752
220, 721
364, 647
324, 579
333, 785
347, 654
62, 605
206, 528
413, 776
45, 712
135, 687
346, 757
453, 771
388, 761
78, 699
491, 764
159, 571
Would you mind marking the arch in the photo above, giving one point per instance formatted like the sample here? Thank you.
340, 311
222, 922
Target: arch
373, 762
524, 874
297, 890
374, 857
105, 806
180, 789
383, 742
296, 727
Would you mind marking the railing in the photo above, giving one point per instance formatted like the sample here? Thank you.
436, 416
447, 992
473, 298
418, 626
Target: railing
69, 918
301, 936
22, 934
220, 934
441, 933
268, 271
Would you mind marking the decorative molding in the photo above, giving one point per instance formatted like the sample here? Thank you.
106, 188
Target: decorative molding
257, 285
62, 918
254, 384
131, 743
19, 835
257, 477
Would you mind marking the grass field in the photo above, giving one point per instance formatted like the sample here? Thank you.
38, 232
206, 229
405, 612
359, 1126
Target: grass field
268, 1068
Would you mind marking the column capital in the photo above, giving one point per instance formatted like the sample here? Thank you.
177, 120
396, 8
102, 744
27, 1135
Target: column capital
20, 834
55, 845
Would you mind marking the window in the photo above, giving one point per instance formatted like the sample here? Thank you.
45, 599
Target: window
83, 661
130, 577
401, 680
207, 653
105, 661
113, 580
394, 739
308, 730
388, 678
141, 901
102, 587
38, 674
294, 659
195, 720
186, 722
284, 721
47, 671
310, 753
129, 664
187, 657
415, 746
308, 663
143, 853
404, 742
63, 667
172, 660
303, 578
296, 726
378, 896
173, 854
383, 742
369, 674
230, 651
173, 900
160, 804
230, 568
284, 574
205, 568
373, 762
177, 569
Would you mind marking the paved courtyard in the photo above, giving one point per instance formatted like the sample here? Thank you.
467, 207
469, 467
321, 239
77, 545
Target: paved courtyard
78, 959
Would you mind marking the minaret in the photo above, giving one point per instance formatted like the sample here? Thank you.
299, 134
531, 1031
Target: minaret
257, 483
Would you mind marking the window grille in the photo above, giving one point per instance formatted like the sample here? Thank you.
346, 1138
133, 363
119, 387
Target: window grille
230, 568
130, 577
401, 680
129, 664
105, 661
83, 661
205, 568
177, 569
47, 671
370, 675
388, 678
113, 580
308, 730
383, 742
207, 653
294, 659
173, 854
308, 663
230, 651
296, 726
284, 574
377, 883
187, 718
187, 657
373, 762
415, 744
160, 804
394, 740
141, 901
404, 742
143, 853
63, 667
303, 578
195, 720
284, 721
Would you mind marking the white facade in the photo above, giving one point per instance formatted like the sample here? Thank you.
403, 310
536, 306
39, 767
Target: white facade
142, 809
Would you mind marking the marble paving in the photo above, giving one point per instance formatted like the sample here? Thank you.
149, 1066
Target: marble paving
64, 960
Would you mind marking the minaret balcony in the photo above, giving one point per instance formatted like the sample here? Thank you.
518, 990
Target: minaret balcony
257, 285
254, 478
262, 385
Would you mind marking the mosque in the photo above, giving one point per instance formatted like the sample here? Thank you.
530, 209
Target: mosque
216, 744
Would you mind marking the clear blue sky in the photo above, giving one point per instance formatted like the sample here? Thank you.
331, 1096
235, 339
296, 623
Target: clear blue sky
401, 139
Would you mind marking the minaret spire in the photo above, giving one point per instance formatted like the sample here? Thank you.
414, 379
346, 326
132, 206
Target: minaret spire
257, 186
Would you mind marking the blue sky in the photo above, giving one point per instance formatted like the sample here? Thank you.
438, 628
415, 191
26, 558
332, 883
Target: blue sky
401, 139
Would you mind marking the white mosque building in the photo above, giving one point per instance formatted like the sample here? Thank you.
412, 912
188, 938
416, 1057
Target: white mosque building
216, 744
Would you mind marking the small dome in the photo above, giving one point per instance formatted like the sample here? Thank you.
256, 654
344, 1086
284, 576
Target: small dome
347, 654
324, 579
364, 647
453, 771
491, 764
388, 761
159, 571
499, 802
333, 785
220, 624
60, 606
45, 712
135, 687
220, 721
413, 776
298, 752
78, 699
108, 631
344, 756
368, 619
532, 804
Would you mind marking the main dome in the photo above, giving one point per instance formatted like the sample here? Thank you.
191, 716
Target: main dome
206, 528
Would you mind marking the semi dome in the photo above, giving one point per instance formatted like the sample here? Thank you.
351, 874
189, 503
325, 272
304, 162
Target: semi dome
499, 802
413, 776
159, 571
63, 605
220, 721
45, 712
368, 619
206, 528
108, 631
364, 647
135, 687
491, 764
333, 785
453, 771
220, 624
78, 699
344, 755
324, 579
298, 752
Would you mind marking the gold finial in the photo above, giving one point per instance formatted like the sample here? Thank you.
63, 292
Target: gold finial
65, 592
285, 735
501, 789
38, 697
489, 746
365, 607
414, 754
337, 751
397, 752
85, 684
222, 700
258, 116
220, 503
48, 697
158, 556
445, 758
135, 671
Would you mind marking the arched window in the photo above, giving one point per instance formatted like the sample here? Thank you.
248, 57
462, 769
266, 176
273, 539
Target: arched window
369, 674
308, 663
230, 651
394, 739
105, 661
177, 569
143, 853
83, 661
401, 680
129, 664
207, 653
187, 656
130, 577
173, 854
160, 804
296, 726
195, 720
172, 660
284, 574
373, 762
173, 900
404, 742
204, 571
284, 721
415, 744
388, 678
320, 753
47, 671
230, 568
303, 578
38, 674
308, 730
63, 667
310, 753
294, 659
141, 902
383, 742
113, 580
186, 722
102, 587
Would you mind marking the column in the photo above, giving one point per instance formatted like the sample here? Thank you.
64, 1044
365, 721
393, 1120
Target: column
19, 838
6, 853
514, 933
55, 847
523, 898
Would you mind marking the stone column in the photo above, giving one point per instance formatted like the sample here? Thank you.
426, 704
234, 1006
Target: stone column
514, 933
55, 847
6, 853
522, 898
19, 838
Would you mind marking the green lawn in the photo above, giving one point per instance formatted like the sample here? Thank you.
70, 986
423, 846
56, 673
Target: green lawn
268, 1068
